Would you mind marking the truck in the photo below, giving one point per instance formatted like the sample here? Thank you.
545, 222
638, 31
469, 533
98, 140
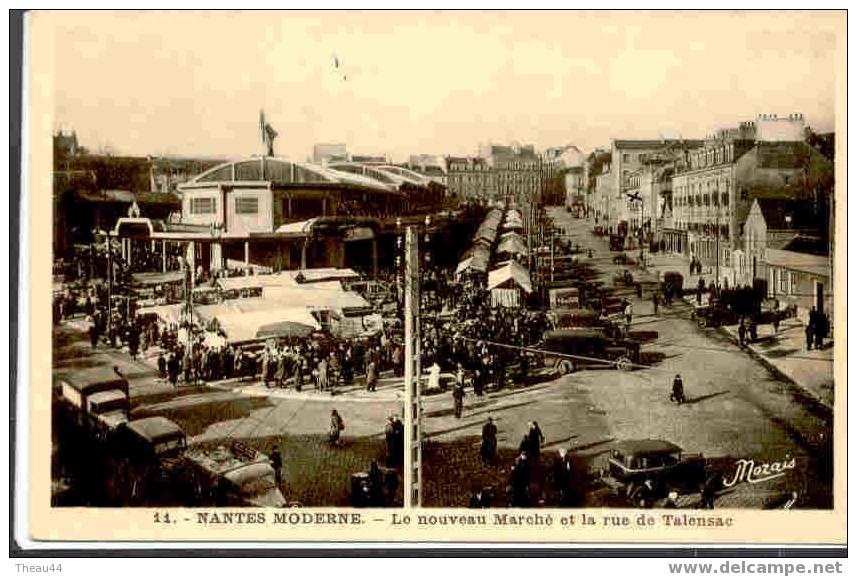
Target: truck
163, 467
94, 401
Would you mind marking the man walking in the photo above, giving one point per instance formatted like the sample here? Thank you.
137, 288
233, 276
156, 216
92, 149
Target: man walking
655, 301
337, 425
458, 399
677, 394
742, 332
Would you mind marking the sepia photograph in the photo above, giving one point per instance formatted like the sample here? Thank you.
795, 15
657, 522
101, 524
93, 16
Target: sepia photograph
442, 259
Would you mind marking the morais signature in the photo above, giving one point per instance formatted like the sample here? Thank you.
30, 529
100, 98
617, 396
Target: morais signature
746, 470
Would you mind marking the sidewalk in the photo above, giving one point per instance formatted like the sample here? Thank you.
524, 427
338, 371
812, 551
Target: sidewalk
783, 353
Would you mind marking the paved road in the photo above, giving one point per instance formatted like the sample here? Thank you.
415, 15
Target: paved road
736, 408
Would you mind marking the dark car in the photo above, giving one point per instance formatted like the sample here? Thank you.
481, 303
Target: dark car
646, 469
617, 242
673, 283
714, 314
623, 259
587, 348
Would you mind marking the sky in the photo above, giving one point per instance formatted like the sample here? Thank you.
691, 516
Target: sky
192, 83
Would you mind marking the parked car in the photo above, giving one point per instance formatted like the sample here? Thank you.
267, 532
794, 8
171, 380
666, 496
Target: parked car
623, 259
643, 470
588, 347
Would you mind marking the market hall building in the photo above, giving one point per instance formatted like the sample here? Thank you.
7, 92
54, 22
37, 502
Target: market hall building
279, 214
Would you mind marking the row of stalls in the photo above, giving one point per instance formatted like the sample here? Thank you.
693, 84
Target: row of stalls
255, 308
497, 258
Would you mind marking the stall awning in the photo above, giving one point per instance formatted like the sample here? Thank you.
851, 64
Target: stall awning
269, 323
477, 261
511, 272
156, 278
512, 245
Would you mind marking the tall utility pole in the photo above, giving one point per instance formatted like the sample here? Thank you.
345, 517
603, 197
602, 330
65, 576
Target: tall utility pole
109, 285
413, 417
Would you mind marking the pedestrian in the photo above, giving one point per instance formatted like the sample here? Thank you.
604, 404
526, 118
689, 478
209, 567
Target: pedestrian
775, 322
337, 425
479, 499
709, 490
93, 334
520, 482
821, 326
535, 440
562, 477
742, 332
458, 399
489, 441
810, 333
753, 330
390, 440
276, 464
677, 394
629, 312
162, 366
173, 369
322, 374
640, 290
655, 301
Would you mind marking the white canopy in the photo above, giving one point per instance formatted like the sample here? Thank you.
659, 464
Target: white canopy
511, 272
261, 324
302, 227
288, 278
512, 245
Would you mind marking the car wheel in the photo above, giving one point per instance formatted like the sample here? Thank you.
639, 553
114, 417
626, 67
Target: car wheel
565, 367
624, 364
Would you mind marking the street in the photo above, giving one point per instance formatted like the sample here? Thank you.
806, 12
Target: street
736, 409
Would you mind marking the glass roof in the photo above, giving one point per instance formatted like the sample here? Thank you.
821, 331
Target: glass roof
278, 170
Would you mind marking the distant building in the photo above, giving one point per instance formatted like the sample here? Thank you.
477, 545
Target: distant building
429, 165
714, 189
772, 223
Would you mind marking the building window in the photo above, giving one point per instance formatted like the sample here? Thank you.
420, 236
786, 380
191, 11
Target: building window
202, 205
784, 282
626, 158
246, 205
725, 199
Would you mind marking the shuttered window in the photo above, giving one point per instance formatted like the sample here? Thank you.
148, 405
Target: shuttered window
246, 205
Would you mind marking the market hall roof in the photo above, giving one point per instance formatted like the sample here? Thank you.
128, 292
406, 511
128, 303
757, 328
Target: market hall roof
281, 172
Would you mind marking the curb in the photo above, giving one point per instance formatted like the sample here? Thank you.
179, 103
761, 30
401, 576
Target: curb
805, 391
768, 364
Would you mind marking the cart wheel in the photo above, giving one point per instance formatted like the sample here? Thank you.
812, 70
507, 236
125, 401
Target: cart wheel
701, 322
564, 367
623, 364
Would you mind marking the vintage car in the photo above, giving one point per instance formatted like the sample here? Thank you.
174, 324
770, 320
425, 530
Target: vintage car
82, 397
623, 277
643, 470
672, 284
590, 347
713, 314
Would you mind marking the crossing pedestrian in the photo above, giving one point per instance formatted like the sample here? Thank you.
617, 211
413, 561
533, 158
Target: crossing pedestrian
677, 395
